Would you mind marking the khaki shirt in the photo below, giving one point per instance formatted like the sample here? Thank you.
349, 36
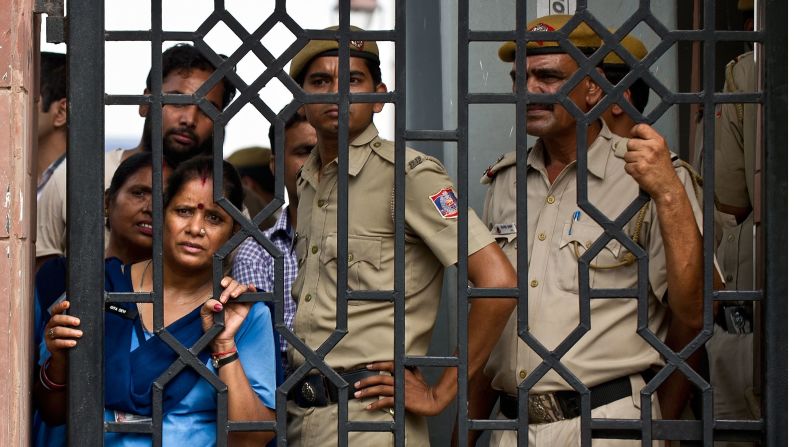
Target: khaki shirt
51, 208
611, 348
735, 163
431, 244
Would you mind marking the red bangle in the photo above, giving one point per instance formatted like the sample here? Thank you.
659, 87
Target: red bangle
221, 354
49, 385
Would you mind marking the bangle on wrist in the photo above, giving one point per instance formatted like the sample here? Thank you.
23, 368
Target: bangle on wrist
48, 384
223, 353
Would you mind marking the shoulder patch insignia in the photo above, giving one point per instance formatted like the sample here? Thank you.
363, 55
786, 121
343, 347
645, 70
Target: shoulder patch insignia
415, 162
446, 203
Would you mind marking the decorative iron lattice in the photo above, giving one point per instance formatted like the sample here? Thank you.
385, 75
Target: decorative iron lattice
87, 37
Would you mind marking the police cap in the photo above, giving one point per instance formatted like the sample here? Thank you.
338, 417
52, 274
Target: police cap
745, 5
319, 48
250, 157
583, 37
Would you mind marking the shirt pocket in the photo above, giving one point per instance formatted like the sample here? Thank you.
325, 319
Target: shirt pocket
364, 263
574, 242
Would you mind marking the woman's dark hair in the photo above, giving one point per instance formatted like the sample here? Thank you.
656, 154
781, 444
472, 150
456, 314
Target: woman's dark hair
202, 168
129, 167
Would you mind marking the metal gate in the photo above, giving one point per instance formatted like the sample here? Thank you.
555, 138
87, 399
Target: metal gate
86, 40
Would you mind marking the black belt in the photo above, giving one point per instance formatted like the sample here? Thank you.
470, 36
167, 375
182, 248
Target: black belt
316, 390
736, 318
560, 405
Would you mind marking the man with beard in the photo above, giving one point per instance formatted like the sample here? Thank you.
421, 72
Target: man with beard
187, 131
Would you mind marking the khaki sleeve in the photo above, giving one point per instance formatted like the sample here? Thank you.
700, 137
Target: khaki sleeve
658, 276
432, 213
730, 181
51, 216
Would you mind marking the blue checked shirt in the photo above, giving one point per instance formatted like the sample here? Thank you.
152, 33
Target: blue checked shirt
253, 264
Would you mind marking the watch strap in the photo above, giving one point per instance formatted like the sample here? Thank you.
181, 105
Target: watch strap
219, 362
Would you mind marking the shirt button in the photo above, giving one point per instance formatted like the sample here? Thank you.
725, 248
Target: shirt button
588, 244
551, 200
377, 144
522, 374
314, 249
542, 236
731, 237
729, 278
308, 297
350, 257
534, 283
320, 203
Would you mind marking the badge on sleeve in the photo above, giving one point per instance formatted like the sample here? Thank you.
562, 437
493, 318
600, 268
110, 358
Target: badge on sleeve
446, 203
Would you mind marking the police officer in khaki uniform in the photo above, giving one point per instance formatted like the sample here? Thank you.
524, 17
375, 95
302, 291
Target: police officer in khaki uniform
730, 350
611, 358
431, 216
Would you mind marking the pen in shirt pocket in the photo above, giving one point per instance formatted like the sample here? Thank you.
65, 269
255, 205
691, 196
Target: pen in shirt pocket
574, 218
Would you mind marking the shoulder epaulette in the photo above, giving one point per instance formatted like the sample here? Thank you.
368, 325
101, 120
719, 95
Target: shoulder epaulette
505, 160
414, 162
415, 159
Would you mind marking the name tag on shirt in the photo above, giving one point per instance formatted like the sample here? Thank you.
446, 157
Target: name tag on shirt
130, 314
120, 416
504, 228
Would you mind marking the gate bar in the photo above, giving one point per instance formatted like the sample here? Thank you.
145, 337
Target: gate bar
774, 207
85, 228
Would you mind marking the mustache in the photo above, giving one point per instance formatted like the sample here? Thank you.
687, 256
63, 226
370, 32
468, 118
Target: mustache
535, 105
184, 131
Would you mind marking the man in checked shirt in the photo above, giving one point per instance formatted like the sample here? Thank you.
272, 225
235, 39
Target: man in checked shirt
253, 264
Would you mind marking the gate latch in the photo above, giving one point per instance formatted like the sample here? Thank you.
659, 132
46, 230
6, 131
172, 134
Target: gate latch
56, 22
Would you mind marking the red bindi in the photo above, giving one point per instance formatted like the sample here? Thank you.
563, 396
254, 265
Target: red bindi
200, 206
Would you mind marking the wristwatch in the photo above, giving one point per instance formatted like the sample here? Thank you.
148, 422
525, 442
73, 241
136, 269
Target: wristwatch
219, 362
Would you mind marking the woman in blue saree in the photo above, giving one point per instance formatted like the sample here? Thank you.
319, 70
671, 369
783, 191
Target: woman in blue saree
242, 355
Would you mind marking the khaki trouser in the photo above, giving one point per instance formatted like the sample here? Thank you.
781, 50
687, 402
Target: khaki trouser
731, 359
567, 432
317, 426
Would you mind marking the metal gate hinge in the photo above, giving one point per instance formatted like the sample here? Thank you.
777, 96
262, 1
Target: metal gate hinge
56, 22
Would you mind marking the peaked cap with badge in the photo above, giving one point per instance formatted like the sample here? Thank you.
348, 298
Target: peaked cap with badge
319, 48
583, 37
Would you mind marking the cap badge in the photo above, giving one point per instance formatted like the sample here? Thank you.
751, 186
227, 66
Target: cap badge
358, 44
541, 27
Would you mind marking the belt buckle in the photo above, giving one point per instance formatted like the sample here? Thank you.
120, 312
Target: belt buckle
311, 392
544, 408
308, 392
